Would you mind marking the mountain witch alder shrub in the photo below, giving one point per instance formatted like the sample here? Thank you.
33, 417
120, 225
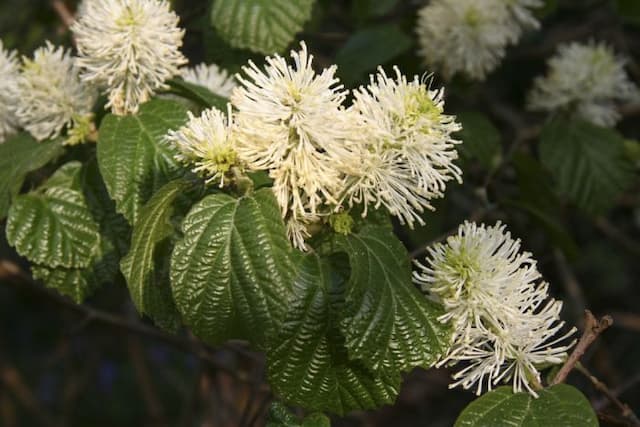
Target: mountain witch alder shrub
259, 204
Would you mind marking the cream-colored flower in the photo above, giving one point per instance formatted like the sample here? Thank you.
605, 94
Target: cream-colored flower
52, 96
8, 95
406, 150
467, 36
587, 79
214, 78
129, 48
206, 142
290, 121
504, 323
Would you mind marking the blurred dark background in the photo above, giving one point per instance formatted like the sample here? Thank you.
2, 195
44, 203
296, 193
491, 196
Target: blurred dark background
102, 366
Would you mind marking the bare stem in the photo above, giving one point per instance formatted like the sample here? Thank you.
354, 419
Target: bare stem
625, 410
63, 12
592, 329
12, 273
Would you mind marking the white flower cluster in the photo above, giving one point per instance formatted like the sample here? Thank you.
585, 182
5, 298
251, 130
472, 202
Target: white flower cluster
8, 75
129, 48
212, 77
586, 79
51, 95
392, 147
504, 322
207, 143
407, 152
471, 36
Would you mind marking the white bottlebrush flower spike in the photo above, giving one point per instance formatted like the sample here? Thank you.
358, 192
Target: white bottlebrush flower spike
290, 121
470, 36
8, 77
407, 150
129, 48
52, 96
206, 142
587, 79
504, 323
212, 77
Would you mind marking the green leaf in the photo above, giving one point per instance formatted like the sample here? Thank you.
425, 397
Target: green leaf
386, 319
19, 156
308, 362
632, 148
587, 161
265, 26
480, 139
198, 94
112, 224
54, 228
536, 197
231, 274
79, 283
280, 416
67, 176
72, 282
150, 291
134, 160
367, 49
560, 405
316, 420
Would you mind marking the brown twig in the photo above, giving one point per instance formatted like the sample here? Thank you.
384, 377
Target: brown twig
63, 12
625, 410
612, 420
592, 328
617, 391
14, 275
630, 321
11, 379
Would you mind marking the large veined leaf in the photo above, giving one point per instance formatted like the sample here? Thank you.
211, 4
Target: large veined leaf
587, 161
265, 26
150, 290
386, 319
79, 283
112, 224
560, 405
538, 199
82, 184
308, 362
54, 228
20, 155
134, 159
67, 176
231, 273
368, 48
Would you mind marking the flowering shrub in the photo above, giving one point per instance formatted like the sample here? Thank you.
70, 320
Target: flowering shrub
264, 203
